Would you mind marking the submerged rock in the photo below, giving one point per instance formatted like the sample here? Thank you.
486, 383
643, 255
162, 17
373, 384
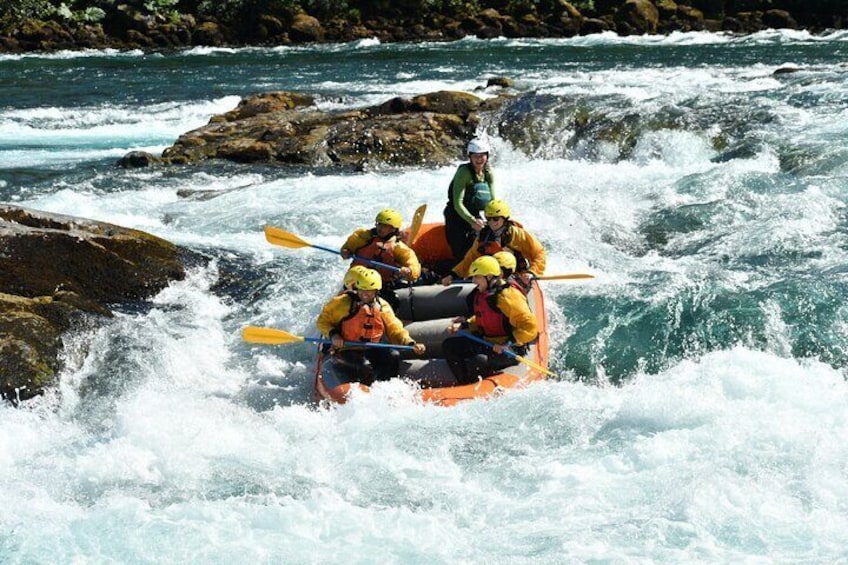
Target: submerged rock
54, 269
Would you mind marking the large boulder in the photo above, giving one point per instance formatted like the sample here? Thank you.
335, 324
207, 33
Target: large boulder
288, 129
55, 269
637, 17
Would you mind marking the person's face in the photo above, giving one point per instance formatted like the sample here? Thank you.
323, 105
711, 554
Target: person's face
384, 229
496, 222
478, 159
367, 296
481, 281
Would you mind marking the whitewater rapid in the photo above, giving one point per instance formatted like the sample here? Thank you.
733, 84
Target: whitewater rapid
700, 410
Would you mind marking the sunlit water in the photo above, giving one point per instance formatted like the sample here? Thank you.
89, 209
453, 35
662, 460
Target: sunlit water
701, 410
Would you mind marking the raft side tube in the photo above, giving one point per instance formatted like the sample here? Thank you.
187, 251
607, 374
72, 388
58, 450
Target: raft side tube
431, 333
419, 303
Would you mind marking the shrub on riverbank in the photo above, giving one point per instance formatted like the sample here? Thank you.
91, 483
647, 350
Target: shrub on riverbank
27, 25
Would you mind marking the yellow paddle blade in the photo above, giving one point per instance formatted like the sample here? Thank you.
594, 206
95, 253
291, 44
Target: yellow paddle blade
268, 336
417, 220
278, 236
536, 366
564, 277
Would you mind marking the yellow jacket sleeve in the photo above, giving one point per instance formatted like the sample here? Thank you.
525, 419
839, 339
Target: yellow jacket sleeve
525, 243
357, 240
514, 306
405, 257
332, 314
462, 268
395, 331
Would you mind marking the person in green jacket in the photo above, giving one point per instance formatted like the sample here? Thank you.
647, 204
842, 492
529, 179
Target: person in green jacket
472, 187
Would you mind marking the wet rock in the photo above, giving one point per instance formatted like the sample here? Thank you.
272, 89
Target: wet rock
288, 129
138, 159
779, 19
637, 16
306, 28
42, 253
55, 269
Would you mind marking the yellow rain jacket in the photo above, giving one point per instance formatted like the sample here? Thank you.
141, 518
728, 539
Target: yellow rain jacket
520, 241
338, 309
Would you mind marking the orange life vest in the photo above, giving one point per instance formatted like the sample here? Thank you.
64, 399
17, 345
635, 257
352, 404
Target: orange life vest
365, 321
380, 250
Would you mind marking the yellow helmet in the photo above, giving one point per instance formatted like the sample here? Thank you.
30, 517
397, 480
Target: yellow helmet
369, 279
497, 209
390, 217
352, 275
506, 260
485, 266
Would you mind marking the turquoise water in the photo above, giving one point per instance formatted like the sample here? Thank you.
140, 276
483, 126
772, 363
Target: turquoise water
700, 410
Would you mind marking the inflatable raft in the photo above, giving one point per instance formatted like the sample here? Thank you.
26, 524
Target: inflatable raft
427, 311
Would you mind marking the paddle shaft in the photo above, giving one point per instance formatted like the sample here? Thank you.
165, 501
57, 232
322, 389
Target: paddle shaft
358, 258
273, 336
360, 343
480, 340
507, 351
571, 276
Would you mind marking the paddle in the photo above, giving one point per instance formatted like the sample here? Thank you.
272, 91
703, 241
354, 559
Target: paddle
519, 358
564, 277
546, 277
415, 226
271, 336
283, 238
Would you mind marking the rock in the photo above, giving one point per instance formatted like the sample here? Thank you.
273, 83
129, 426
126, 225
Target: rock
31, 339
637, 16
786, 69
209, 33
502, 82
779, 19
594, 25
306, 28
138, 159
43, 253
55, 269
666, 8
287, 128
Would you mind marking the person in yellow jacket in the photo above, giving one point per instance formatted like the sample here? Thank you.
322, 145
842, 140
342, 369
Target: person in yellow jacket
503, 233
361, 315
508, 265
383, 243
501, 315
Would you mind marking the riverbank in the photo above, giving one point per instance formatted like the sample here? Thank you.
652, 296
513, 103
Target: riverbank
159, 26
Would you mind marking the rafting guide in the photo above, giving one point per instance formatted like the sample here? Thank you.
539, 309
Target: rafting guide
472, 187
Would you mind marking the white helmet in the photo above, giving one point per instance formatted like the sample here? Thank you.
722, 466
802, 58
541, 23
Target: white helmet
479, 145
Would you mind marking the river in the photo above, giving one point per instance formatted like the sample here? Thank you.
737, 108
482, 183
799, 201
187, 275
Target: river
701, 409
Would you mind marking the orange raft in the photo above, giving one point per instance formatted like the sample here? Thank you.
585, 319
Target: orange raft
426, 311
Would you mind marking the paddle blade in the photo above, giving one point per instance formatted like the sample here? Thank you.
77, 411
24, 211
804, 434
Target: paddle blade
281, 237
534, 365
564, 277
417, 220
269, 336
